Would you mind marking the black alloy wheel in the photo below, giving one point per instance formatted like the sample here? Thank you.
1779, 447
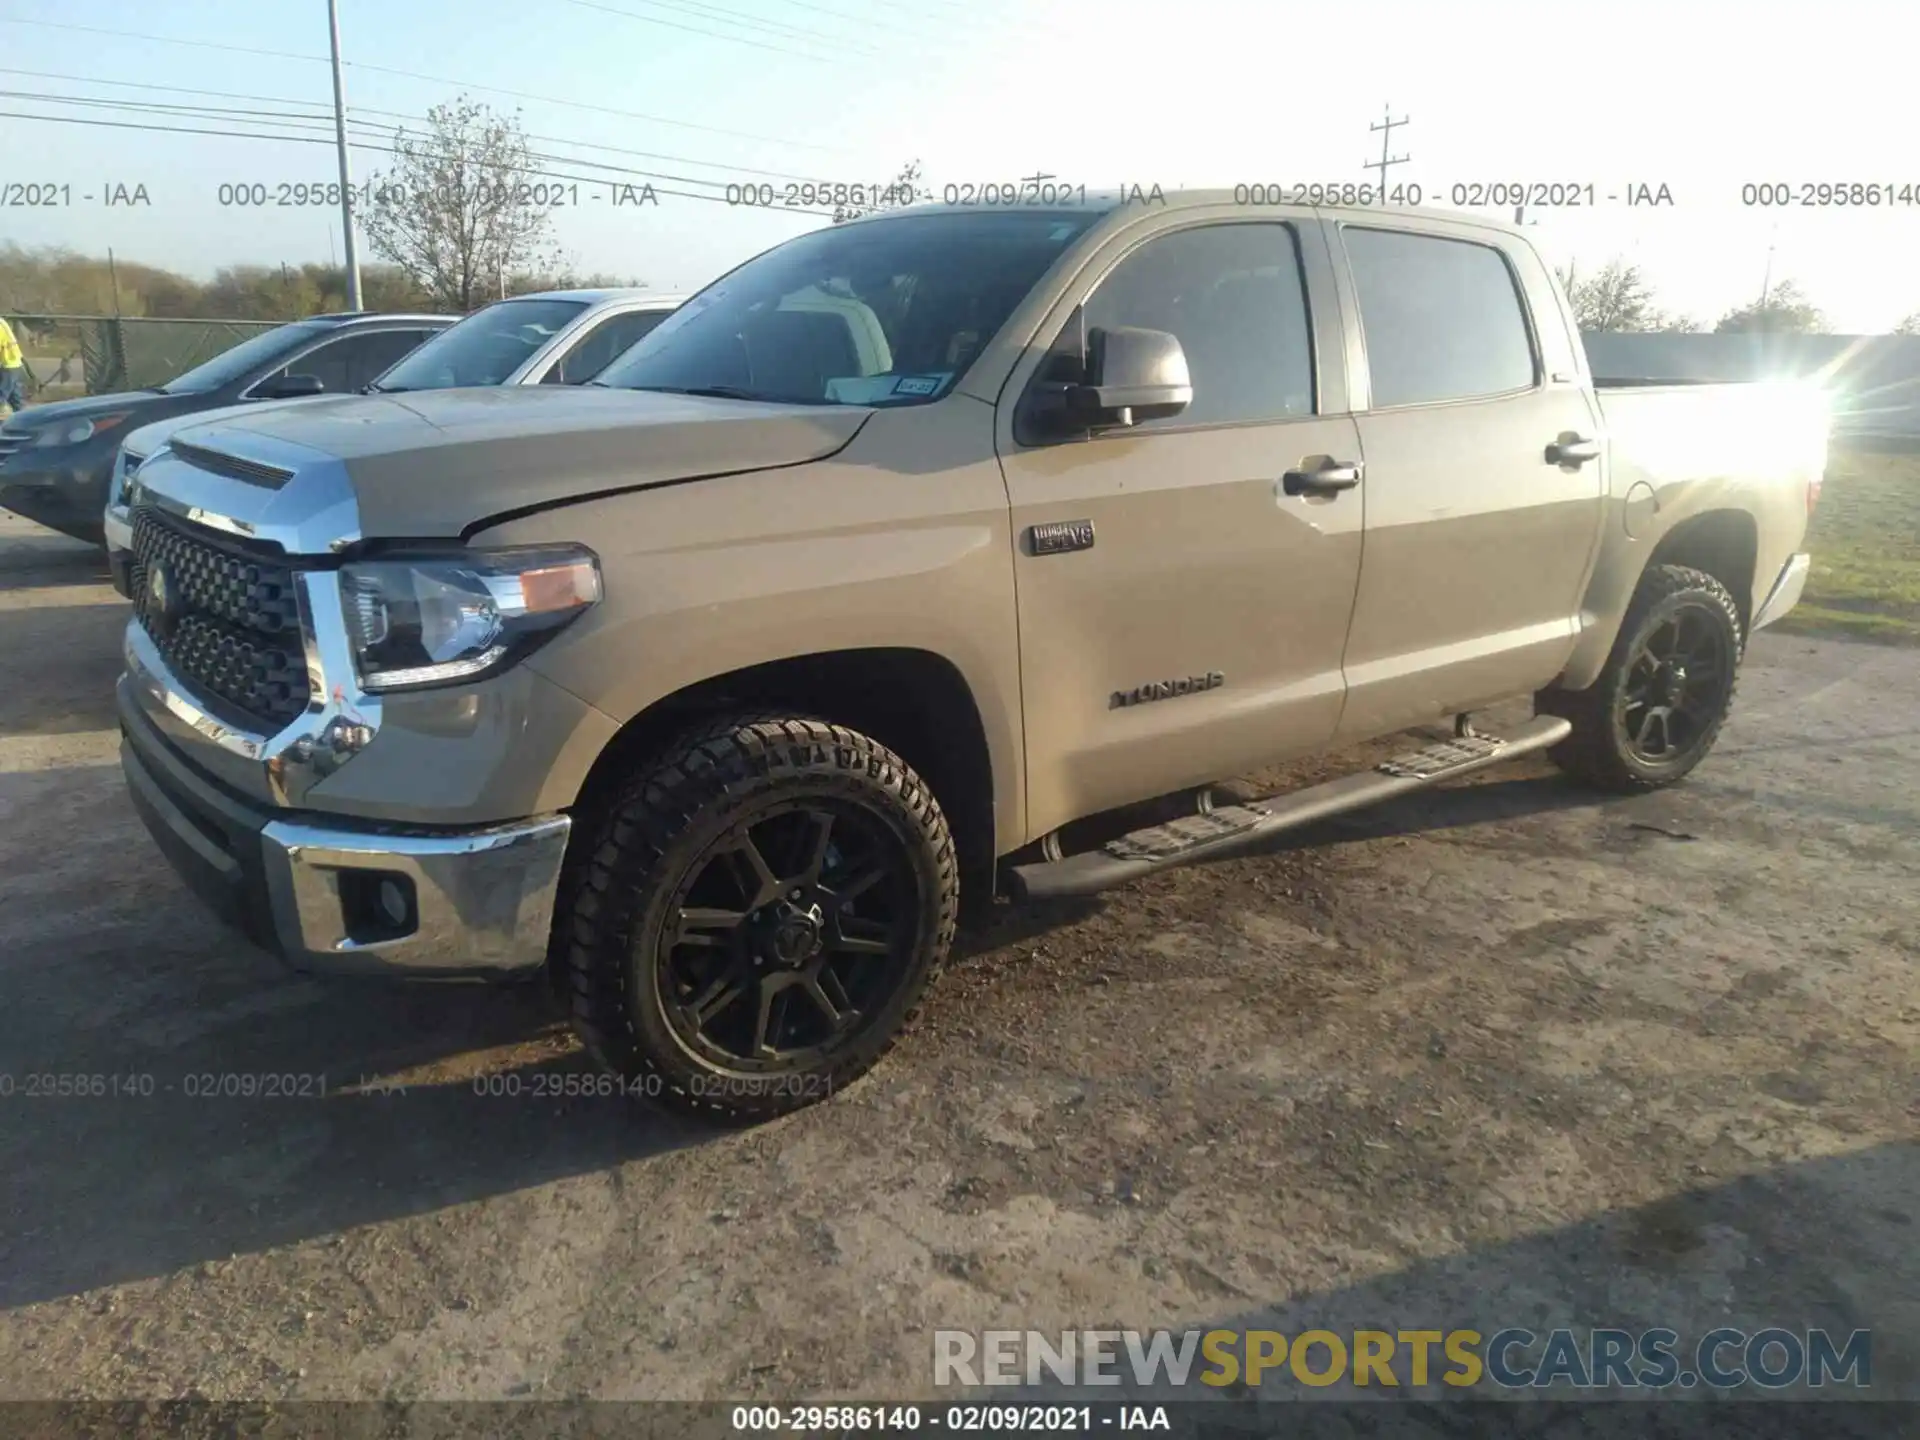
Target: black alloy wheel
1678, 682
789, 935
754, 915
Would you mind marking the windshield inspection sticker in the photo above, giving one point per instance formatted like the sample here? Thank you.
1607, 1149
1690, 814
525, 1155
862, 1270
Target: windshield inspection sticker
918, 384
859, 389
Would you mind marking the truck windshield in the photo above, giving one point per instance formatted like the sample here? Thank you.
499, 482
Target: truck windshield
887, 312
243, 359
483, 349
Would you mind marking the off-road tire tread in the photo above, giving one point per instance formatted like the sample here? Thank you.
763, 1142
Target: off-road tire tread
648, 815
1591, 754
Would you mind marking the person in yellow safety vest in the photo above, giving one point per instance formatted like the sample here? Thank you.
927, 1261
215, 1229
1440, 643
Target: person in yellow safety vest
12, 369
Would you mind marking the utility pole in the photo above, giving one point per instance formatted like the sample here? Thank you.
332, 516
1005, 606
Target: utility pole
346, 170
1386, 128
1766, 280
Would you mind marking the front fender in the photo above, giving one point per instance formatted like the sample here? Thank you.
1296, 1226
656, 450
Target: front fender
901, 541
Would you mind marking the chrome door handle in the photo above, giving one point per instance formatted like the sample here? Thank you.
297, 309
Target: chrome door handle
1573, 450
1339, 475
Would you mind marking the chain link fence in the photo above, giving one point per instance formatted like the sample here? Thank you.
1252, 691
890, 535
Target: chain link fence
72, 355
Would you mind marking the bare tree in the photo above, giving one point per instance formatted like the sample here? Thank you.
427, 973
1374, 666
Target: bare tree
461, 211
1615, 297
1909, 326
903, 189
1785, 311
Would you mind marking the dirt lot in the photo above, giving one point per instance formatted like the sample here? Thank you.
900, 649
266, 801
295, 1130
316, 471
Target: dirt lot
1503, 1055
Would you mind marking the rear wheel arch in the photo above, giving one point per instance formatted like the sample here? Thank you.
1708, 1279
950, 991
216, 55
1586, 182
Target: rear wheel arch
1722, 543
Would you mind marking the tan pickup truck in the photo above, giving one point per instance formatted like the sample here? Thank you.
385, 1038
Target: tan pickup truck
712, 686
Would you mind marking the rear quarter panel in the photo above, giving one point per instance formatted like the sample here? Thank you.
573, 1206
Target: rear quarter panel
1681, 451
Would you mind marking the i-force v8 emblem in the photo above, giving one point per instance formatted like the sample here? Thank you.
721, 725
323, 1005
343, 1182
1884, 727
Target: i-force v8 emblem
1060, 536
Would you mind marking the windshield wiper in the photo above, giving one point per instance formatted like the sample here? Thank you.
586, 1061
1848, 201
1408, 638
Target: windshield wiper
716, 392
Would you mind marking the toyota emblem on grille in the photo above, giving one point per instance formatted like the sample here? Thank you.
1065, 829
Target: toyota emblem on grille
163, 601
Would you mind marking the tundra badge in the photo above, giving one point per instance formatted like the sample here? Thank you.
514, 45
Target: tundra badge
1166, 689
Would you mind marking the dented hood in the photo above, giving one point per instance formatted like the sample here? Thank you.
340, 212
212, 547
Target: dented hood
437, 463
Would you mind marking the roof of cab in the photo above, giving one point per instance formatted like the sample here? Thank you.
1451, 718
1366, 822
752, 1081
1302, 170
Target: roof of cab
1146, 196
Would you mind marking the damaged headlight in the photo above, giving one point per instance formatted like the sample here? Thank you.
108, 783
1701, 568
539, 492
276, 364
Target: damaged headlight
416, 621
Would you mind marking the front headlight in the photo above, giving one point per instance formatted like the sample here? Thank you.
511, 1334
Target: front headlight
122, 488
417, 621
79, 432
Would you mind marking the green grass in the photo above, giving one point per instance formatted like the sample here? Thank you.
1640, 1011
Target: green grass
1865, 540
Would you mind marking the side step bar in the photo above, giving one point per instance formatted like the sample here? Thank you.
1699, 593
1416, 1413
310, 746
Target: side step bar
1229, 828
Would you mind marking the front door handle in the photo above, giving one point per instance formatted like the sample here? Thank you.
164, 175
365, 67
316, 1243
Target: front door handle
1572, 449
1334, 476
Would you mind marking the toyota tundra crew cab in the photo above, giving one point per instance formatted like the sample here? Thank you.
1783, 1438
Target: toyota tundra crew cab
712, 685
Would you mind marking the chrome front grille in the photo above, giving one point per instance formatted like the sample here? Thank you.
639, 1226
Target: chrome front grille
226, 619
11, 441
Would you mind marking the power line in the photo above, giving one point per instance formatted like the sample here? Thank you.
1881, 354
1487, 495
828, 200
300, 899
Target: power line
702, 11
969, 13
431, 79
854, 19
159, 107
163, 39
171, 89
729, 39
387, 133
1386, 129
367, 145
321, 114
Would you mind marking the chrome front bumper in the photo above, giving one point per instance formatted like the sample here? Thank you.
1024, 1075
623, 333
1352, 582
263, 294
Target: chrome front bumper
328, 898
1785, 593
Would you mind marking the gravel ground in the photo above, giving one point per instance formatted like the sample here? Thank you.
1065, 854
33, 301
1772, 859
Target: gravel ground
1502, 1054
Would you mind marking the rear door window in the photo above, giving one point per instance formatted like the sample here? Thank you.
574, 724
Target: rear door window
1442, 318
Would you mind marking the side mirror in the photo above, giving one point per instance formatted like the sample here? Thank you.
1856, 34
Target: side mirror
1133, 375
289, 387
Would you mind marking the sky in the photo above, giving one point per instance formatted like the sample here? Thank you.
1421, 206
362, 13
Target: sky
1702, 97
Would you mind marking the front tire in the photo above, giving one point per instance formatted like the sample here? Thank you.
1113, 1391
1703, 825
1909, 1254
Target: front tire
1658, 705
760, 915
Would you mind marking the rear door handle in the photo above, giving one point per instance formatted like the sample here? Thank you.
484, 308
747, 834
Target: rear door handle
1335, 476
1573, 450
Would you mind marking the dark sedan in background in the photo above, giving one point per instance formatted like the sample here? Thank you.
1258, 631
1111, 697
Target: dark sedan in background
56, 460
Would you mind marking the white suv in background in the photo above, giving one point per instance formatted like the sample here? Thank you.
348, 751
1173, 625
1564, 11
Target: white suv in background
555, 337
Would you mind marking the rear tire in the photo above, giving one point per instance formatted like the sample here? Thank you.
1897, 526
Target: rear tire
760, 915
1658, 705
